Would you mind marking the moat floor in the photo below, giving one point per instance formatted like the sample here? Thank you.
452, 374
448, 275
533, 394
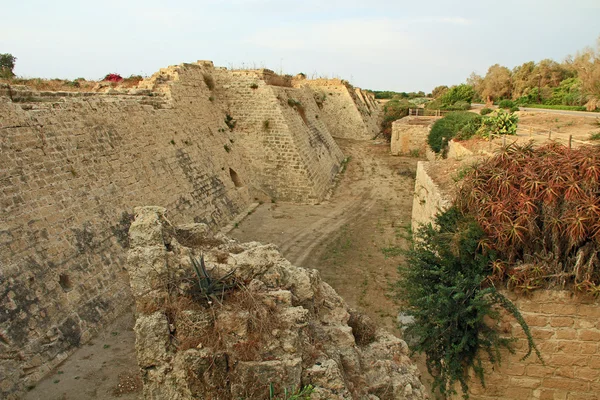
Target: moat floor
104, 368
353, 239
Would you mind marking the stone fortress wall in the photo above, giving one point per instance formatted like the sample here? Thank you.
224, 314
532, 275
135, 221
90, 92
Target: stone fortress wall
409, 135
349, 112
74, 165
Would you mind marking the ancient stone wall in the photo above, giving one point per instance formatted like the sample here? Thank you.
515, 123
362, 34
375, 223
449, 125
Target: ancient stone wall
428, 198
409, 135
348, 112
565, 327
272, 328
75, 164
283, 135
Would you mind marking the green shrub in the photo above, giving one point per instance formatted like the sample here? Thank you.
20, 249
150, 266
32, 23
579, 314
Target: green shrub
556, 107
392, 111
446, 128
455, 310
507, 104
470, 129
462, 105
7, 64
460, 93
514, 109
501, 123
486, 111
434, 105
595, 136
209, 81
230, 122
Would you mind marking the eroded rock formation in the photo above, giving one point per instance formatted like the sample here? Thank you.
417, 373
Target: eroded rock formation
266, 324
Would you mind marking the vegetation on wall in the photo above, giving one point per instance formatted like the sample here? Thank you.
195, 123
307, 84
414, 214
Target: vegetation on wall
465, 125
454, 306
443, 130
525, 219
540, 210
392, 111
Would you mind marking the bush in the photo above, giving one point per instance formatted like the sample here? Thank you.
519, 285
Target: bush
502, 123
461, 93
514, 109
462, 105
7, 64
507, 104
486, 111
446, 128
556, 107
434, 105
392, 111
113, 78
455, 311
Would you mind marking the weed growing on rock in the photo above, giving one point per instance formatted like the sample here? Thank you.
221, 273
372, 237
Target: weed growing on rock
209, 81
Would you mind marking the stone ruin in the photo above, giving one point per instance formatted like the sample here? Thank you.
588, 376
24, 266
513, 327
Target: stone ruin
267, 327
205, 142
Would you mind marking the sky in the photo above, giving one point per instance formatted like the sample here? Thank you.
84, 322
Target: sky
375, 44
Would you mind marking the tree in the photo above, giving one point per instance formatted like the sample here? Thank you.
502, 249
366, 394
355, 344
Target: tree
587, 66
523, 79
497, 83
7, 64
458, 93
438, 91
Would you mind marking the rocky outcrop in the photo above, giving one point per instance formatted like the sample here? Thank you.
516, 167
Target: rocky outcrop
254, 324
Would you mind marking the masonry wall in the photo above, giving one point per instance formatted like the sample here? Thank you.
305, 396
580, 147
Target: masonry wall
348, 112
290, 150
565, 327
428, 198
409, 134
75, 164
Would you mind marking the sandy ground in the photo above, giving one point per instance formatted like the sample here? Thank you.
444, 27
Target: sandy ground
103, 369
353, 239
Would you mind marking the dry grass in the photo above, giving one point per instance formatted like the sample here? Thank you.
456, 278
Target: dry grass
363, 328
278, 80
65, 85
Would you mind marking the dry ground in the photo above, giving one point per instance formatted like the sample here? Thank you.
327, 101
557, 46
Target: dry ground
103, 369
353, 239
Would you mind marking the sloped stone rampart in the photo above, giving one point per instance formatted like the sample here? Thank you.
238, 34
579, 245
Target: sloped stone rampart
74, 165
348, 112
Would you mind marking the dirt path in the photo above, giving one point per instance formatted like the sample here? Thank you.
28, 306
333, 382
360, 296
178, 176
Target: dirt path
353, 239
103, 369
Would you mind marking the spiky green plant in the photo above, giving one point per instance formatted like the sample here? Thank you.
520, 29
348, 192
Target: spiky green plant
445, 285
208, 286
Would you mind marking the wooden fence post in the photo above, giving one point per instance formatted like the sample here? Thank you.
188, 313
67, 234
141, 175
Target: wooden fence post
570, 140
